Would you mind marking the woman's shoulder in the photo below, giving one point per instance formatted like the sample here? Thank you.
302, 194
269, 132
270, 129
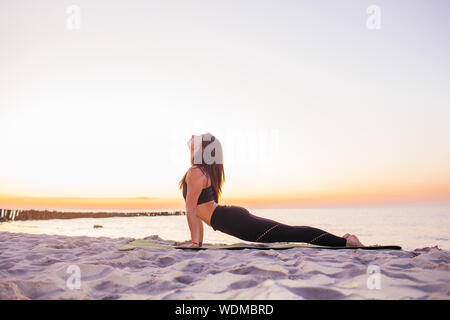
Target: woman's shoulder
195, 172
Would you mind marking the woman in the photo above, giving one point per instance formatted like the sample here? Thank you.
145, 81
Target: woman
202, 185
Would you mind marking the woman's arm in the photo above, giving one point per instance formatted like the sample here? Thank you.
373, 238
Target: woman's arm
199, 227
194, 188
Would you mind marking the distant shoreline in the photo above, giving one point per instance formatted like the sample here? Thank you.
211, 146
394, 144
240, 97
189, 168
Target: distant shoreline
22, 215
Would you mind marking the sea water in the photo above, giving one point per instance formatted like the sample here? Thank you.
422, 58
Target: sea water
410, 228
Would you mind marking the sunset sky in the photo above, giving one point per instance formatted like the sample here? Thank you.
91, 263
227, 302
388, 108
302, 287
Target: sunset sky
312, 107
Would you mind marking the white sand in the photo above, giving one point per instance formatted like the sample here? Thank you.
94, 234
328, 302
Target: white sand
36, 267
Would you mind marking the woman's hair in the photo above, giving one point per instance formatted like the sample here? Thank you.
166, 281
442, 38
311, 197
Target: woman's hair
210, 160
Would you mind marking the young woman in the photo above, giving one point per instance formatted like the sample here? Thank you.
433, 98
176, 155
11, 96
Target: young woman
202, 185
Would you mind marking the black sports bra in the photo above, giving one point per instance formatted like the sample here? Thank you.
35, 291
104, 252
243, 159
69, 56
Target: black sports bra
206, 195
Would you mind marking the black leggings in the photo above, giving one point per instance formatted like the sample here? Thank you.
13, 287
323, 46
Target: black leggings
238, 222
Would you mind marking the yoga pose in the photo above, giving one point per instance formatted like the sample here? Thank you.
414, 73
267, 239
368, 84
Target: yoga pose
202, 185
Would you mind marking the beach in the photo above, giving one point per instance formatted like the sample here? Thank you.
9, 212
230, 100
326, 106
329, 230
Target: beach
410, 228
42, 259
37, 266
129, 122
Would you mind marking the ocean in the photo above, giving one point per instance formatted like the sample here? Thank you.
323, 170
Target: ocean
411, 227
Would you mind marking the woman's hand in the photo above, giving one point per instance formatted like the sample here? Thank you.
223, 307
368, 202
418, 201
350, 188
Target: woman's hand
195, 245
190, 245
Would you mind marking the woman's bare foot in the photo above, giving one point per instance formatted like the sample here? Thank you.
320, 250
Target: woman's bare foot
352, 241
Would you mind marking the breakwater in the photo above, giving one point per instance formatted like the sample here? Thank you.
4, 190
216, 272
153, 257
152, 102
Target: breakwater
21, 215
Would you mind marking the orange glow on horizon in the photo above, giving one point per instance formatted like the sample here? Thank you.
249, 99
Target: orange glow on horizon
136, 203
362, 196
356, 197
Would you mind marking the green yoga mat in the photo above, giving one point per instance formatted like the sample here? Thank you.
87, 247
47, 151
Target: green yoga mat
142, 243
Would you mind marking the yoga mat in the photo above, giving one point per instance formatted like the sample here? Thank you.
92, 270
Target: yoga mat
142, 243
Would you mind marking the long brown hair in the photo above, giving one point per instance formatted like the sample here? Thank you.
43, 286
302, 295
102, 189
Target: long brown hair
212, 169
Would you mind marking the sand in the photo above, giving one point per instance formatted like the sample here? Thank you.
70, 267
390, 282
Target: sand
46, 267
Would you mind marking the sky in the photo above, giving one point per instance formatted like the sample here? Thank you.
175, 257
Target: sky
315, 104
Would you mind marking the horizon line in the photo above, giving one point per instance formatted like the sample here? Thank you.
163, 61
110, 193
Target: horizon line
168, 203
